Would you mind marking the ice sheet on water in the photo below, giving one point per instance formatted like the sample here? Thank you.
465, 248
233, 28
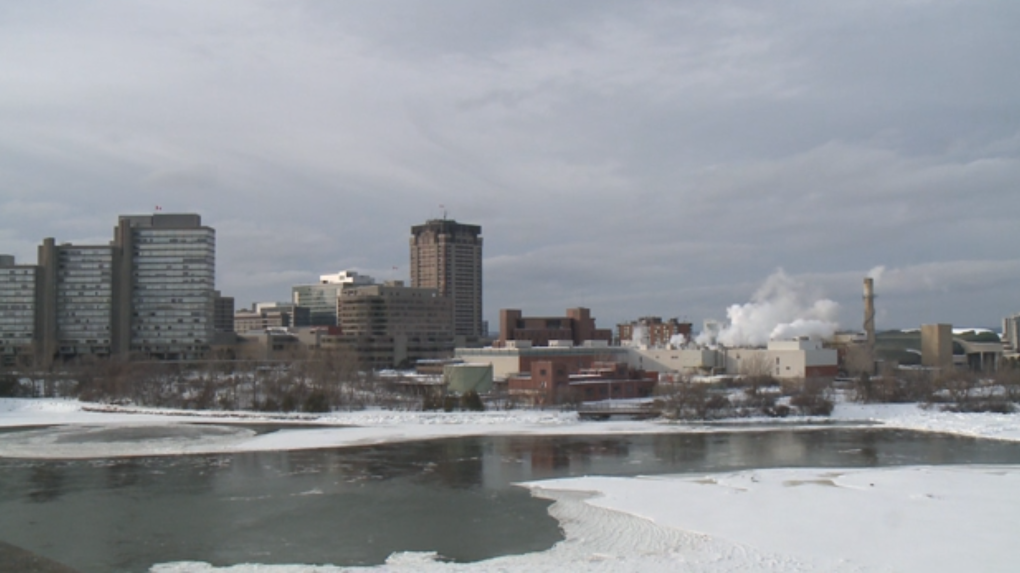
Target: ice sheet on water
67, 442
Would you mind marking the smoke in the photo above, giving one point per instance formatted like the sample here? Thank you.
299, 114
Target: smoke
639, 336
876, 273
677, 340
709, 332
781, 308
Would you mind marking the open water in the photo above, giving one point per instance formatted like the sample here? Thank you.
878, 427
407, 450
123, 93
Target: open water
356, 506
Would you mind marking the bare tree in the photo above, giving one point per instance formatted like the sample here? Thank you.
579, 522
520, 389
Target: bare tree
757, 372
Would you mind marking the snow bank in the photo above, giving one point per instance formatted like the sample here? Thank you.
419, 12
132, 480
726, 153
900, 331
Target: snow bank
369, 427
929, 519
914, 417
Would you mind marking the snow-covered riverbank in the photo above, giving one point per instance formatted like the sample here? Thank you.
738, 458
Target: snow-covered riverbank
946, 518
340, 429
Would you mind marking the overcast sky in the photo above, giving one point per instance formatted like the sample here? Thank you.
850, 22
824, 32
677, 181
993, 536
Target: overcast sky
637, 158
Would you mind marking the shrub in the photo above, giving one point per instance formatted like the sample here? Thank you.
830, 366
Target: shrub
317, 402
289, 402
780, 411
431, 401
717, 402
472, 401
449, 403
982, 406
812, 404
10, 387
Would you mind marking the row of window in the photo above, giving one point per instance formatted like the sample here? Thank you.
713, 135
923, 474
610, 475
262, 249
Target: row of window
173, 240
172, 271
80, 252
135, 341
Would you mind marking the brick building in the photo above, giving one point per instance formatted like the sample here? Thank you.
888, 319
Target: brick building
577, 326
554, 381
653, 331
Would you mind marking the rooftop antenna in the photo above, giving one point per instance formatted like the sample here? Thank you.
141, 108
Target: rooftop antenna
443, 209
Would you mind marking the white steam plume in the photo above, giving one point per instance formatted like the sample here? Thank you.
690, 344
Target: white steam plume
781, 308
677, 340
708, 334
639, 336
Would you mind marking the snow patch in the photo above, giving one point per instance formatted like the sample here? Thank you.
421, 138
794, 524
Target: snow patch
854, 520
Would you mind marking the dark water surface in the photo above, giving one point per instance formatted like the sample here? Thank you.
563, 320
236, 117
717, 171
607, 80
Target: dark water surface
356, 506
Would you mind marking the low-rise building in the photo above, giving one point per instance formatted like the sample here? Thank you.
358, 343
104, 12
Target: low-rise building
552, 382
519, 356
321, 299
246, 320
392, 325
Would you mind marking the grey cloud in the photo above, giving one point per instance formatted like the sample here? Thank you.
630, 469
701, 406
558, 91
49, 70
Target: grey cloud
639, 158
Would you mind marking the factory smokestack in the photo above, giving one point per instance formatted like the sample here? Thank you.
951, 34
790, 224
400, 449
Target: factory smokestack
869, 311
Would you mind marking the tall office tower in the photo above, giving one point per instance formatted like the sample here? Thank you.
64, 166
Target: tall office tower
164, 286
447, 256
18, 303
77, 301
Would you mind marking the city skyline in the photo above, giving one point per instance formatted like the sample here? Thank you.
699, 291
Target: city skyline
654, 159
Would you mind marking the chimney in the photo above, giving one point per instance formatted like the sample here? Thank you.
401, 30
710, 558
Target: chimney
869, 311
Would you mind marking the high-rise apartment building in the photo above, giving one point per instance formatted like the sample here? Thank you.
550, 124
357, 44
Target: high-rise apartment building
18, 300
165, 286
148, 293
77, 299
447, 256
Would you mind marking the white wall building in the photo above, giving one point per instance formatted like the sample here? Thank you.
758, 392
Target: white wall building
781, 359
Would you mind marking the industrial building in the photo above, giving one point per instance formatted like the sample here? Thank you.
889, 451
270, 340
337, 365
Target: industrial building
937, 345
549, 374
782, 359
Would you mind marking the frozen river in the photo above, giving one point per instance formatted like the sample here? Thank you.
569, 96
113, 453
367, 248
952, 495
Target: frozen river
356, 506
